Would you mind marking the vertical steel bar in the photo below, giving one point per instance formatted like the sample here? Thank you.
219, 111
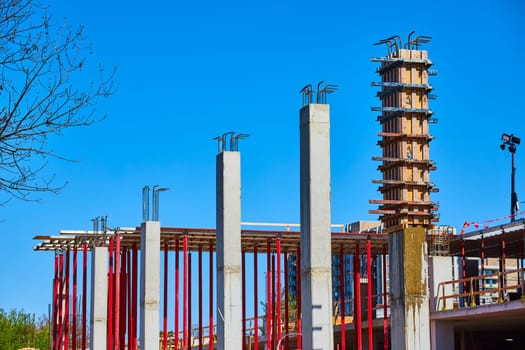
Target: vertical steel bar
200, 297
134, 290
190, 333
177, 276
185, 292
117, 292
255, 299
66, 307
357, 274
463, 272
299, 301
129, 303
74, 302
165, 304
243, 301
286, 301
278, 289
274, 303
60, 300
369, 292
385, 304
211, 336
110, 298
84, 295
503, 260
342, 295
269, 295
123, 302
482, 265
55, 305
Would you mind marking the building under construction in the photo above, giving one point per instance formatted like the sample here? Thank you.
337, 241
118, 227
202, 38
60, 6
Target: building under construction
405, 285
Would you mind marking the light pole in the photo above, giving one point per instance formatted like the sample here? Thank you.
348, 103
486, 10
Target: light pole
510, 142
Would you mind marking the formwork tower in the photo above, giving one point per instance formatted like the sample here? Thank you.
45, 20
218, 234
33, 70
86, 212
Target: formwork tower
406, 210
405, 138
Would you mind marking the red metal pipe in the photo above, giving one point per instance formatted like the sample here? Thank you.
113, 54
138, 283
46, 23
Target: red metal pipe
299, 301
357, 288
200, 297
130, 304
60, 299
189, 301
66, 312
185, 293
243, 298
269, 317
211, 341
74, 309
482, 263
84, 295
274, 303
165, 305
369, 292
110, 297
134, 289
463, 269
55, 304
503, 259
117, 292
255, 300
286, 301
123, 301
342, 295
177, 276
278, 289
385, 304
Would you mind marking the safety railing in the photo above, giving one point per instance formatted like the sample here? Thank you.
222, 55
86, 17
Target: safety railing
379, 311
474, 291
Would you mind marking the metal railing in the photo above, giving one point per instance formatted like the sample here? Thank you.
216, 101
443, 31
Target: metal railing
473, 291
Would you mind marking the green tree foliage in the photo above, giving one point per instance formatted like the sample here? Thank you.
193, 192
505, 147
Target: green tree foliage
19, 329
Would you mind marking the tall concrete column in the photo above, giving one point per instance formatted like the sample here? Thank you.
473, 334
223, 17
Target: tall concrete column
316, 252
409, 289
99, 298
229, 324
149, 285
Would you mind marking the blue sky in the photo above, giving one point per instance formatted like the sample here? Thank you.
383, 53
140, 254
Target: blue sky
189, 72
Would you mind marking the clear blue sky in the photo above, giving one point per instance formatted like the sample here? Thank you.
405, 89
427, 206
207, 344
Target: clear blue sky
187, 73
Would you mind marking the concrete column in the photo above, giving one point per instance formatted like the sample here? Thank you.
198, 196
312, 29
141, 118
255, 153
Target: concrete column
99, 298
316, 253
409, 289
149, 285
229, 324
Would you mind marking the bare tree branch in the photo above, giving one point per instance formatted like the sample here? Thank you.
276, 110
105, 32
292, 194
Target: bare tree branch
38, 63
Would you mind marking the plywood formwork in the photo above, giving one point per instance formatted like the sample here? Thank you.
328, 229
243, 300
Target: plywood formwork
404, 140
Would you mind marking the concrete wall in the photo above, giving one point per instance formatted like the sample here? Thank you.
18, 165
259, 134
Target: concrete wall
441, 268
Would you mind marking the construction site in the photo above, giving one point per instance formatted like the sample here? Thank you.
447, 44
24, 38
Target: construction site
402, 282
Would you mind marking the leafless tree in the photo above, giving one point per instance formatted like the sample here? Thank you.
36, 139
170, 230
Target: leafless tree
42, 93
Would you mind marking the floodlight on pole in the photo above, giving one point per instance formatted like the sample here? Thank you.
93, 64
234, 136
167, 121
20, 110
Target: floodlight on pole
510, 142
